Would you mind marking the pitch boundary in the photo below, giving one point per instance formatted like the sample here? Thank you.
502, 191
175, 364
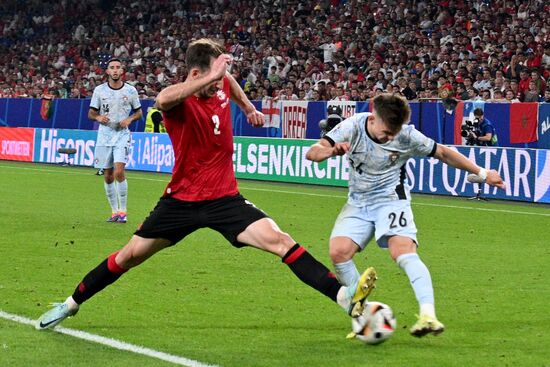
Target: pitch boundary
113, 343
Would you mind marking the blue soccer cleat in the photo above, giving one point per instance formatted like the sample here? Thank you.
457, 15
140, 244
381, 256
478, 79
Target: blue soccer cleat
122, 218
114, 218
53, 317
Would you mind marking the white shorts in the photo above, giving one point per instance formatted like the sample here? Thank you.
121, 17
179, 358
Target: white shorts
105, 157
381, 220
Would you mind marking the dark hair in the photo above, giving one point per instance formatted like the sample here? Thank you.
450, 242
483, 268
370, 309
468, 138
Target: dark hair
393, 109
478, 111
114, 59
200, 52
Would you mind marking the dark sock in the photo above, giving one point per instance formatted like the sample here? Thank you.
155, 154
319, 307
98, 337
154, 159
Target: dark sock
311, 271
97, 279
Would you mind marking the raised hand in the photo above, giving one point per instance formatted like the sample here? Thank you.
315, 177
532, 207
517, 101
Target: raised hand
219, 67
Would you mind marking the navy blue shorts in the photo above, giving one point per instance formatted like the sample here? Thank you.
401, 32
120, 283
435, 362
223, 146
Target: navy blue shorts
173, 219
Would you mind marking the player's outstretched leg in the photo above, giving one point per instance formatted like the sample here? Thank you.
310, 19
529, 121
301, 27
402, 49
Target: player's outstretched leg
104, 274
316, 275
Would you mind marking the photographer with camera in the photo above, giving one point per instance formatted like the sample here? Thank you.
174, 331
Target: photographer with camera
486, 134
334, 118
479, 132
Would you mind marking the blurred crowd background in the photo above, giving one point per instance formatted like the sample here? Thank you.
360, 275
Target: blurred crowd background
493, 50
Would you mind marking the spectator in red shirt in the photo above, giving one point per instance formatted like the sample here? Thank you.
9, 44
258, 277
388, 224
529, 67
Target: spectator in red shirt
523, 82
534, 60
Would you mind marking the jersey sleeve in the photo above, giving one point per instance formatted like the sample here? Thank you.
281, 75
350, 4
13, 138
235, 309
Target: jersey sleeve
342, 132
95, 103
421, 145
136, 104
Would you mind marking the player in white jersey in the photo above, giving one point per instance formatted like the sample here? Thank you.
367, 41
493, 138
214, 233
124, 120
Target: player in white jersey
115, 105
378, 144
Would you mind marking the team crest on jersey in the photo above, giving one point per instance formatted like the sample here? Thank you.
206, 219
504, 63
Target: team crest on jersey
223, 98
221, 95
394, 156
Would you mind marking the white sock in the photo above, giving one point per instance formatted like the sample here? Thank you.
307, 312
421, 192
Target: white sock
427, 309
420, 279
343, 298
346, 272
71, 303
110, 190
122, 195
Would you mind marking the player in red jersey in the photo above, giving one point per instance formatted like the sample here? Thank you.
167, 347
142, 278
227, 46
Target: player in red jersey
203, 191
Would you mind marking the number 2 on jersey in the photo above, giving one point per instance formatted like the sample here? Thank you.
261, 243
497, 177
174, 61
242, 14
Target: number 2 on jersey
216, 121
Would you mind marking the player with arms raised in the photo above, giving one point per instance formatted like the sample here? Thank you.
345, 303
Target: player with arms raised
203, 190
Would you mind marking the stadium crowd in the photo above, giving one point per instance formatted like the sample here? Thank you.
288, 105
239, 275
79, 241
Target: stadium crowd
494, 50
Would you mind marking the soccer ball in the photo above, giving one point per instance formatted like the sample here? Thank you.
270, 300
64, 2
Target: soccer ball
375, 324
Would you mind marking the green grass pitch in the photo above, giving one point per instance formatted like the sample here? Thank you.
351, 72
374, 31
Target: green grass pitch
207, 301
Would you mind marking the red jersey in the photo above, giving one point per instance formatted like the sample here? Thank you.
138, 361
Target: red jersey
523, 85
202, 138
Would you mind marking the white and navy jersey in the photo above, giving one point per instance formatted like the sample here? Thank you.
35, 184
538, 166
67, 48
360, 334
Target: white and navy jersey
377, 171
117, 104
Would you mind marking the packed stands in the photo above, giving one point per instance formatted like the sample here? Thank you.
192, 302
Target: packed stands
284, 49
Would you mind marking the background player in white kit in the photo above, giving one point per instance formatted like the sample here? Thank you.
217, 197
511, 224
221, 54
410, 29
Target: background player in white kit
115, 105
378, 145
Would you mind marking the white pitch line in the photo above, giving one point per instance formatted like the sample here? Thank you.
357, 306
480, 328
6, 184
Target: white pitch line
414, 203
113, 343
